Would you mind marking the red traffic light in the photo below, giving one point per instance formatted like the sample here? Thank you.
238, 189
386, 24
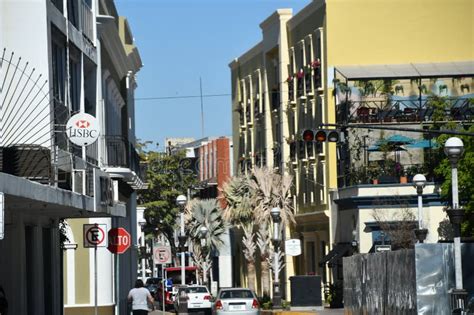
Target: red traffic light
320, 136
308, 135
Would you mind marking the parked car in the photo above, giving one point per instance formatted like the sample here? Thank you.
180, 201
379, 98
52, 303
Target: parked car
236, 301
152, 284
198, 298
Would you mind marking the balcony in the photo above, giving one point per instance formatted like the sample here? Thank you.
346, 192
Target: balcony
80, 15
411, 110
123, 161
275, 99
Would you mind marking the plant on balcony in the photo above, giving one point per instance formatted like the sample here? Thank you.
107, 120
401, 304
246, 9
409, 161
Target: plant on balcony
374, 171
316, 64
289, 79
300, 74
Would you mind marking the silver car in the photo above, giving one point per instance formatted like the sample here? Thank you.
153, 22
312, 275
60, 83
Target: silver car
236, 301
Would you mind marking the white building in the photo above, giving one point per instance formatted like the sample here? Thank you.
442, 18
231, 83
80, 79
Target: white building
59, 58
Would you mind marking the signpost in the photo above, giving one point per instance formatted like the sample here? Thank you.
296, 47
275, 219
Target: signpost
383, 248
119, 240
162, 255
94, 236
293, 247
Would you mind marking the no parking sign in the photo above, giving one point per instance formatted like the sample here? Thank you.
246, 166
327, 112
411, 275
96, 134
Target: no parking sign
94, 235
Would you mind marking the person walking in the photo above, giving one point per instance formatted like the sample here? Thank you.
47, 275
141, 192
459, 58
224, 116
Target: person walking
140, 297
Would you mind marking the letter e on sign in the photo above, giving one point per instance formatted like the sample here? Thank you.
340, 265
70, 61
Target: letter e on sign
94, 235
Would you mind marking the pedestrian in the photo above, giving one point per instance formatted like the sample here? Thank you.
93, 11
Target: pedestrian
140, 297
3, 302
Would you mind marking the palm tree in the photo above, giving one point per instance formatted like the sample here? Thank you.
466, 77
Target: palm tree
239, 196
205, 213
271, 190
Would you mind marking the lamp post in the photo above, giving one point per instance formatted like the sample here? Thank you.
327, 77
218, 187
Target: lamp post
454, 148
142, 224
203, 236
419, 182
275, 213
181, 202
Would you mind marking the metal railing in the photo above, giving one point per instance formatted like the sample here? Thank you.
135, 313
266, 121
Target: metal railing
87, 20
374, 111
121, 153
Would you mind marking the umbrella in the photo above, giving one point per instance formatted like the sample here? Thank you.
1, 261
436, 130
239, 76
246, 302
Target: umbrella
422, 144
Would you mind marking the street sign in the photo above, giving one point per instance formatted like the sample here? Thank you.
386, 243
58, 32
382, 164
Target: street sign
293, 247
119, 240
383, 248
162, 255
2, 216
82, 129
94, 235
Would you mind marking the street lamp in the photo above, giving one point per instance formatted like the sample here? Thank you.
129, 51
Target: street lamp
454, 148
181, 202
276, 217
419, 182
203, 236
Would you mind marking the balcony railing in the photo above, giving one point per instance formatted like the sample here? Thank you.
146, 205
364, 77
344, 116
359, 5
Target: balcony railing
121, 153
375, 111
80, 15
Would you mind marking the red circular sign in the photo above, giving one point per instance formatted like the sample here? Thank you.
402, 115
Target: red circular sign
119, 240
95, 235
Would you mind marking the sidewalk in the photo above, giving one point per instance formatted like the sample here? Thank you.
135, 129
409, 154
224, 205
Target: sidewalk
323, 312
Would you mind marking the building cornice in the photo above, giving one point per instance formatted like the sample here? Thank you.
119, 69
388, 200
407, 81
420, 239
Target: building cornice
275, 18
305, 13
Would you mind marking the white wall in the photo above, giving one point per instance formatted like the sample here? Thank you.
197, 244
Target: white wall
24, 31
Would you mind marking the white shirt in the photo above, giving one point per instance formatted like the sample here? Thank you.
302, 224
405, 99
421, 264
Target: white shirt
139, 298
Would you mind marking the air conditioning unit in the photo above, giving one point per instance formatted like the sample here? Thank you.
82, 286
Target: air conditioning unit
105, 191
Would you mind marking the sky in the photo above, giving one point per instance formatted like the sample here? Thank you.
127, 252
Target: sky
181, 41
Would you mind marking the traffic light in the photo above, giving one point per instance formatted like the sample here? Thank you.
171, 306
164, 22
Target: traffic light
321, 135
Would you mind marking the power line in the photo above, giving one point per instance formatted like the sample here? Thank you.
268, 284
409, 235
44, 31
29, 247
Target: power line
178, 97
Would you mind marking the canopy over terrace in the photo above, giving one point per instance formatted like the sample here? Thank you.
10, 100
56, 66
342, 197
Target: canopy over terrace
407, 71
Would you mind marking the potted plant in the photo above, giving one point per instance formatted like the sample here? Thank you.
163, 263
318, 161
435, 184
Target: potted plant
373, 172
400, 172
334, 294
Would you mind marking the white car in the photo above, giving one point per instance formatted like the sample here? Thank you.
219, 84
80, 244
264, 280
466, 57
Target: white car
198, 298
236, 301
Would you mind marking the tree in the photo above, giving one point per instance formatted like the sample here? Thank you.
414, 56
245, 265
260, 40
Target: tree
239, 196
167, 178
205, 213
271, 190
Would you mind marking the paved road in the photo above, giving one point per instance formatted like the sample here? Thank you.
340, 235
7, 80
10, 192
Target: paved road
324, 312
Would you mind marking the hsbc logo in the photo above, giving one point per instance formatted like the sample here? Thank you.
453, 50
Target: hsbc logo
82, 129
82, 124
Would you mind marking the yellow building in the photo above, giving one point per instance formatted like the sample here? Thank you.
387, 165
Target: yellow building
284, 85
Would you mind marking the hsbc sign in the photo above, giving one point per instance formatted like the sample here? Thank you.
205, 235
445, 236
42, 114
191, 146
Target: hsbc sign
82, 129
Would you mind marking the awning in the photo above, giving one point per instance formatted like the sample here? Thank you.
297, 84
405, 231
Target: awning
412, 70
335, 254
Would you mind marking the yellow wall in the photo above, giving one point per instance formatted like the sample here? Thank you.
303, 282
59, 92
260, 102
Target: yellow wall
399, 31
82, 263
103, 310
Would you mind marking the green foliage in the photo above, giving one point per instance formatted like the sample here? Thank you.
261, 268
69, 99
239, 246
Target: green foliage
168, 176
206, 213
285, 304
334, 294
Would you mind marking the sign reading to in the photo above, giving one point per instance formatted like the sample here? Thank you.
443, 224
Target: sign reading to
82, 129
119, 240
94, 235
293, 247
162, 255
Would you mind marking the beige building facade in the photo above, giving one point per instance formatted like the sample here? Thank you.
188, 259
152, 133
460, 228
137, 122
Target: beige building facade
285, 84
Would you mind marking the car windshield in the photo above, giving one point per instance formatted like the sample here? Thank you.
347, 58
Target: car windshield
196, 290
236, 294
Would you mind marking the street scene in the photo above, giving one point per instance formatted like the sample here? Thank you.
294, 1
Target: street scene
238, 157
